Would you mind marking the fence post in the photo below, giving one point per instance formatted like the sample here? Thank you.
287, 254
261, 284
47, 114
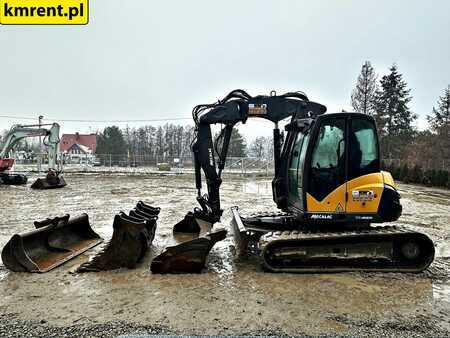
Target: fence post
110, 161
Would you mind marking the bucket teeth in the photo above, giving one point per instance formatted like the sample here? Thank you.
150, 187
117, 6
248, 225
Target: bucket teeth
52, 243
148, 208
132, 236
187, 257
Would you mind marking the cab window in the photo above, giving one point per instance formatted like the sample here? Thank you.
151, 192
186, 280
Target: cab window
328, 159
363, 148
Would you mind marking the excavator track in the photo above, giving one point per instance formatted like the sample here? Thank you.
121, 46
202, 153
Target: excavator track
383, 249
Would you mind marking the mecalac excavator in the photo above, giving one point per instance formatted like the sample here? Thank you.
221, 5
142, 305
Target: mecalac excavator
328, 185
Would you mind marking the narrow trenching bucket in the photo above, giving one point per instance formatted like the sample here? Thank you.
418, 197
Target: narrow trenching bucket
132, 236
44, 183
54, 242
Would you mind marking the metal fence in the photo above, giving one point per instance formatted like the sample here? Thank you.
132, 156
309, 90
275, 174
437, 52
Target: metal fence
424, 163
143, 163
146, 163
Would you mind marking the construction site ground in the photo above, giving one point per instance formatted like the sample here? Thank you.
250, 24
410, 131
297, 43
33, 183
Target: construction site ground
233, 296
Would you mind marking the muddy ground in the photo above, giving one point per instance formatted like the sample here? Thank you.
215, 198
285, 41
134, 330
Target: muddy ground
233, 296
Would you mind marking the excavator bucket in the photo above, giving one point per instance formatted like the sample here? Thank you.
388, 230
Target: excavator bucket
54, 242
132, 236
194, 223
46, 183
187, 257
188, 224
193, 241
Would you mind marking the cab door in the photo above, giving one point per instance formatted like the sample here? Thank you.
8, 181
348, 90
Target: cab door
365, 182
295, 171
327, 169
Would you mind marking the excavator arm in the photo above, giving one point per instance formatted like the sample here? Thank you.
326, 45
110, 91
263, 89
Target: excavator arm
210, 155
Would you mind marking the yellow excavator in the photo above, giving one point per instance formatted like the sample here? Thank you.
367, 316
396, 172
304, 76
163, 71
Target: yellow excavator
328, 185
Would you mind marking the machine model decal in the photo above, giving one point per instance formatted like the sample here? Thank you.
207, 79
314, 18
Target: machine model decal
362, 195
321, 216
257, 109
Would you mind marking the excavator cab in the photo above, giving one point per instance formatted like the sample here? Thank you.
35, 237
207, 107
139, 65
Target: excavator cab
334, 174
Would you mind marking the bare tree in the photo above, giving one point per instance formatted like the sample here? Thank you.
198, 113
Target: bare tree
364, 94
257, 148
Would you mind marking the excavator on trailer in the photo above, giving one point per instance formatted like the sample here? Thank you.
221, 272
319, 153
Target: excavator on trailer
51, 140
328, 185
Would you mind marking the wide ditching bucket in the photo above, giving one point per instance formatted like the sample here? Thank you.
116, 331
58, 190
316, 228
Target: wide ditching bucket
133, 234
52, 243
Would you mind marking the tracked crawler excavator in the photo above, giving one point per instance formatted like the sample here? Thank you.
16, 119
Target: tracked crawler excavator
51, 140
328, 185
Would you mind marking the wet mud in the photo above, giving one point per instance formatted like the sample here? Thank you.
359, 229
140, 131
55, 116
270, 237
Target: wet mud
233, 295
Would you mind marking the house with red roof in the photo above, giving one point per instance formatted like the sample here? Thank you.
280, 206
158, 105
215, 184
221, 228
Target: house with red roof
74, 143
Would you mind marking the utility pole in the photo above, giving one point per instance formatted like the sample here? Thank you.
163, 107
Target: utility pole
40, 146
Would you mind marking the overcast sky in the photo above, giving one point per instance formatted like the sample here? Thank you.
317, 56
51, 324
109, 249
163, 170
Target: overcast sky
141, 59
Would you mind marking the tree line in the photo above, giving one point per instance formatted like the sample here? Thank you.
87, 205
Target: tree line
422, 155
170, 141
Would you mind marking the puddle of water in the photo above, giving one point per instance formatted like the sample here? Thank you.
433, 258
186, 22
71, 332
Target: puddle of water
441, 291
257, 187
443, 250
3, 275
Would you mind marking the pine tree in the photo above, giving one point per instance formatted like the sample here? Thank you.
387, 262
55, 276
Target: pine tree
364, 94
237, 144
392, 105
440, 116
440, 124
111, 141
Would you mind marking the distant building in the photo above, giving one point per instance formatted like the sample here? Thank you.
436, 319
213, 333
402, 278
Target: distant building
78, 143
79, 149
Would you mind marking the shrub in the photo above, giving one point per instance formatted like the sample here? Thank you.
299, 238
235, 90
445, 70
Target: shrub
441, 178
415, 175
403, 176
